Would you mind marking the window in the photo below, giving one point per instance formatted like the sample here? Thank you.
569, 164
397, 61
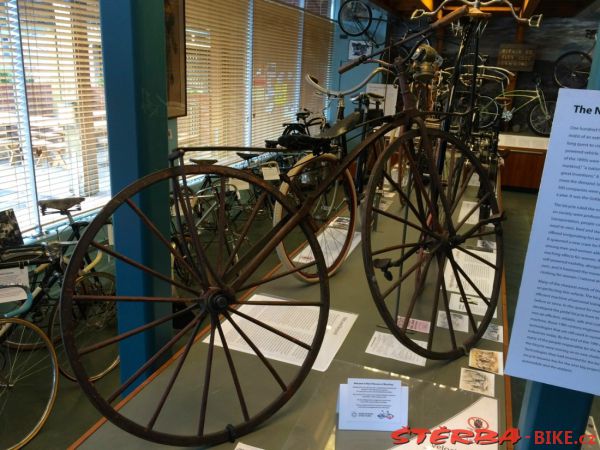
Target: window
245, 66
53, 140
217, 36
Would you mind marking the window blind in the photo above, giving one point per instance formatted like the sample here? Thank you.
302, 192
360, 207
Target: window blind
276, 60
65, 97
53, 140
317, 44
17, 189
217, 36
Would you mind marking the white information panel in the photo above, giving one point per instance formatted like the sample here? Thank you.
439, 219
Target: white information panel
556, 334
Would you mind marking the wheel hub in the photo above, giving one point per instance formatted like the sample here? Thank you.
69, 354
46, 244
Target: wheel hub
218, 300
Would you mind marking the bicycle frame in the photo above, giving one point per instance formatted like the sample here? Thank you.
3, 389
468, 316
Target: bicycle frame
531, 95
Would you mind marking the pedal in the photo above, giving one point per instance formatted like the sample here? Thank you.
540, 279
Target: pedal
384, 266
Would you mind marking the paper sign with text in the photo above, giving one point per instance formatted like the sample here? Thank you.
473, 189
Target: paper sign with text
555, 334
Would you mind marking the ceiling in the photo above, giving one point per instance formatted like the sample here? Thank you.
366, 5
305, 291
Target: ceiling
549, 8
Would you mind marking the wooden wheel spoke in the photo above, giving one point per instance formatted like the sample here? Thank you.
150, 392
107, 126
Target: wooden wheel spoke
140, 329
404, 275
257, 352
207, 373
245, 229
475, 288
167, 391
456, 271
407, 201
435, 177
447, 310
261, 250
236, 380
478, 258
407, 222
492, 220
129, 298
396, 247
463, 188
148, 364
221, 225
483, 234
418, 290
436, 300
266, 280
472, 210
184, 202
178, 257
277, 303
143, 267
271, 329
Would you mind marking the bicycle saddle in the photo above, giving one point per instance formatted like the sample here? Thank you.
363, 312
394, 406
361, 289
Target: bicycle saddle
247, 156
341, 127
305, 142
203, 162
302, 115
60, 204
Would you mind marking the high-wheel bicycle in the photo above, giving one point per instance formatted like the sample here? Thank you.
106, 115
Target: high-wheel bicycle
228, 301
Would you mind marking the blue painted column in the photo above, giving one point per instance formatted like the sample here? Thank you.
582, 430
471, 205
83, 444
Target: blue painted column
133, 43
552, 408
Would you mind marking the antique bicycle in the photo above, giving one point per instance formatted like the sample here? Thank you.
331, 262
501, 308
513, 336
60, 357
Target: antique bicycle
230, 310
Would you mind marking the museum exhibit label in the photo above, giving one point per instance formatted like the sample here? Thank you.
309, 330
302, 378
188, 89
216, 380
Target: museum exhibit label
556, 333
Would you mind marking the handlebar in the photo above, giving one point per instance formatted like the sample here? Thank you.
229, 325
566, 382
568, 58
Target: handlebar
338, 94
449, 18
444, 21
534, 21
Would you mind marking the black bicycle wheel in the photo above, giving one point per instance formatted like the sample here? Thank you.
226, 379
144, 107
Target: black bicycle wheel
422, 273
572, 70
31, 375
355, 17
540, 121
226, 330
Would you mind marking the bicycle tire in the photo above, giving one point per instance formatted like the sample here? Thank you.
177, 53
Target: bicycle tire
426, 231
36, 372
339, 200
221, 408
539, 122
572, 70
488, 111
355, 17
94, 322
294, 128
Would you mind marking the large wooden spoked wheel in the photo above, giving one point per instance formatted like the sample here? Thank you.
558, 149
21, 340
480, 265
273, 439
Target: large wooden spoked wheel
425, 262
223, 379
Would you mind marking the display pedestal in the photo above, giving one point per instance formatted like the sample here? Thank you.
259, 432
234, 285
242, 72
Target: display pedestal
524, 160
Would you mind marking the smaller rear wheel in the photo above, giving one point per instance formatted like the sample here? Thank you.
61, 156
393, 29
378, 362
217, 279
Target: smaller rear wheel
540, 121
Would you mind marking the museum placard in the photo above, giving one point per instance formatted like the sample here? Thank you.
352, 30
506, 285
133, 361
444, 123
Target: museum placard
556, 332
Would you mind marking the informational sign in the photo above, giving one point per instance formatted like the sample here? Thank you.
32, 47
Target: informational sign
556, 333
299, 322
373, 404
516, 57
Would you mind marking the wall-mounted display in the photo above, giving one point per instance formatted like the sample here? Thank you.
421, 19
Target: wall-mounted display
175, 39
